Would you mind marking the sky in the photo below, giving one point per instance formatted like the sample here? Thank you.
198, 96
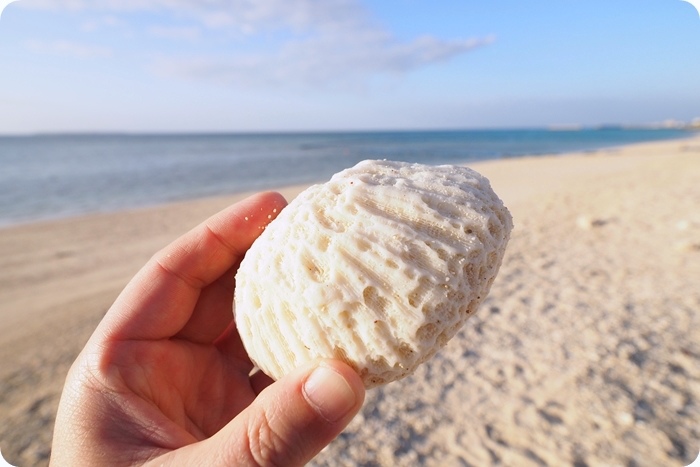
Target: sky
308, 65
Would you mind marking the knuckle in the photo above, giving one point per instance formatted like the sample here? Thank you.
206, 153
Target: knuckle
270, 444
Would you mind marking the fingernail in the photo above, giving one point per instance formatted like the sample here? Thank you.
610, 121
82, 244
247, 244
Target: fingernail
329, 394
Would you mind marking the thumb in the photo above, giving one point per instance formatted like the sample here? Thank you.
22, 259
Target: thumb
291, 421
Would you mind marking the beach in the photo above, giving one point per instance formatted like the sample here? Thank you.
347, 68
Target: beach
586, 352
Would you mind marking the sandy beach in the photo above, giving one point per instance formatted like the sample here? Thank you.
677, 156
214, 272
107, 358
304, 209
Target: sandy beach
587, 351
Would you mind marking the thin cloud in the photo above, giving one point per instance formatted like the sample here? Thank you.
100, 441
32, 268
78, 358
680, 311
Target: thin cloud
175, 32
67, 49
325, 42
320, 62
106, 21
248, 15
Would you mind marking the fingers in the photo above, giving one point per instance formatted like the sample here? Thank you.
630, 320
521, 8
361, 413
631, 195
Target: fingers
160, 300
288, 423
213, 312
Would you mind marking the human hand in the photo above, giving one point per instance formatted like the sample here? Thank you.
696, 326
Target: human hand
165, 378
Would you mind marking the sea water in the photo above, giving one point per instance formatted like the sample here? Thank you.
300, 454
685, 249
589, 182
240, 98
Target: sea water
52, 176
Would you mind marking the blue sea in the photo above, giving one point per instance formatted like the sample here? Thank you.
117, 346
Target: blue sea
53, 176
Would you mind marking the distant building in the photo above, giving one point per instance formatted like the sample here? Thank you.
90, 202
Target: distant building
673, 124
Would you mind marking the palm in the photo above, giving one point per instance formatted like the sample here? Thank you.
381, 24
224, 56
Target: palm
190, 389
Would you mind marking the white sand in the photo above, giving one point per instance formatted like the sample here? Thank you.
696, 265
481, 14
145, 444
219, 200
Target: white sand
587, 351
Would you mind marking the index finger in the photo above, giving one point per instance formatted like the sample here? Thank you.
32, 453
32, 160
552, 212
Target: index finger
160, 299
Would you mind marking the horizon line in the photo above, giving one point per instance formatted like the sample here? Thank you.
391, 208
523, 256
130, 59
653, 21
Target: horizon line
554, 127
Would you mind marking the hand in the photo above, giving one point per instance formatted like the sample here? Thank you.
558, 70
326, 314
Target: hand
165, 378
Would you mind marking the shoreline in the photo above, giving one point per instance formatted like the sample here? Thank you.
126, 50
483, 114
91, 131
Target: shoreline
596, 234
76, 214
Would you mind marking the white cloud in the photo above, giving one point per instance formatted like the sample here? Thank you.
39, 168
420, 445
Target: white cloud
106, 21
67, 49
244, 15
326, 42
321, 61
175, 32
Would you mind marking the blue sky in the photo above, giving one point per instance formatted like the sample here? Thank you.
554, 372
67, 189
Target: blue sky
247, 65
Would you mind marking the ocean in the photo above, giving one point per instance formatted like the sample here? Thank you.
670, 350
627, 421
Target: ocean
53, 176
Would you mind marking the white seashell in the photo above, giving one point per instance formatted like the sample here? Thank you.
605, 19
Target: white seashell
378, 267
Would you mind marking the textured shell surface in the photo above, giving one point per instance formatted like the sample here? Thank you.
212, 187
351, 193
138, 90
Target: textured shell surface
378, 267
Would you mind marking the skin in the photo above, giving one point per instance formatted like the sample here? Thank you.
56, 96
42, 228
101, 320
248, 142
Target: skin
165, 379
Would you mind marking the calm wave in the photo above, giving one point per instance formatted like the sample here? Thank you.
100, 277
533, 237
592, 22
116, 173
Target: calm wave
46, 177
